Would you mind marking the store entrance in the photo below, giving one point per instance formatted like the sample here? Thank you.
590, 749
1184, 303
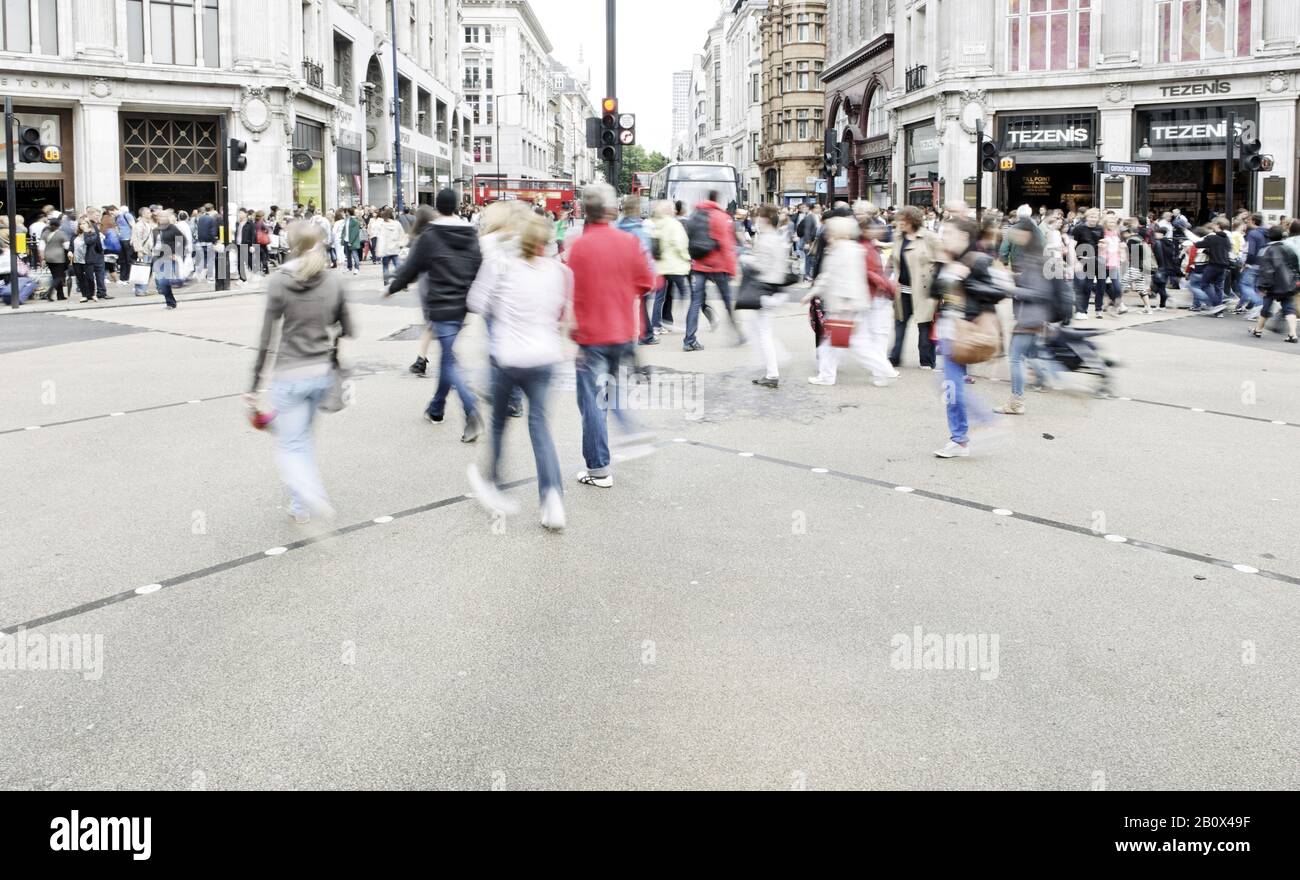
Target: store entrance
32, 195
1195, 186
1067, 186
179, 195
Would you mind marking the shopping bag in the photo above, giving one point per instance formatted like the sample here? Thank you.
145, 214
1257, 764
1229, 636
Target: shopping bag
139, 274
840, 331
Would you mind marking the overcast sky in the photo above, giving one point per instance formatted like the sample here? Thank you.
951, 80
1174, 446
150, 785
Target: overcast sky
655, 38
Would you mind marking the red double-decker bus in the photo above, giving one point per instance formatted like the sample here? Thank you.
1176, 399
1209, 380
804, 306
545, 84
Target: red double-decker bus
554, 195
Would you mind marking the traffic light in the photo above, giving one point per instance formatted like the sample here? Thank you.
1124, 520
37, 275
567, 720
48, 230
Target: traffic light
238, 161
29, 145
1251, 160
627, 129
609, 130
989, 154
593, 132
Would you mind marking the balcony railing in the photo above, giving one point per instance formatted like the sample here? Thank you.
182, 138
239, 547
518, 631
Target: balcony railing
314, 73
916, 77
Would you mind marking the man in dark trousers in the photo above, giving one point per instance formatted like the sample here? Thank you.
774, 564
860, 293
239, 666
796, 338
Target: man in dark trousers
205, 242
447, 253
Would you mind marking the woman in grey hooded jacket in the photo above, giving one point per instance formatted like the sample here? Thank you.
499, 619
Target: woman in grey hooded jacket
307, 302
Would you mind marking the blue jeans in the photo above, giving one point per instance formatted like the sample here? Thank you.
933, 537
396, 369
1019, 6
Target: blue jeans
1113, 285
448, 376
699, 280
352, 256
389, 260
374, 250
295, 402
1086, 288
954, 395
807, 262
164, 275
597, 369
1024, 347
1249, 293
1196, 281
534, 382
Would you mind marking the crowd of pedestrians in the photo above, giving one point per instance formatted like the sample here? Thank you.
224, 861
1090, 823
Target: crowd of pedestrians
868, 278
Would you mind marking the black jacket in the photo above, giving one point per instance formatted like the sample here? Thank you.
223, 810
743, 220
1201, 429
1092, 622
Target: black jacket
1087, 243
1218, 247
94, 248
1279, 270
448, 255
205, 229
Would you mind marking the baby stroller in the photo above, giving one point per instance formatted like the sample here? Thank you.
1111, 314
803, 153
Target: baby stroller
1073, 351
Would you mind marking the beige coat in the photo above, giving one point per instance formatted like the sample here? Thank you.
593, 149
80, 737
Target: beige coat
921, 267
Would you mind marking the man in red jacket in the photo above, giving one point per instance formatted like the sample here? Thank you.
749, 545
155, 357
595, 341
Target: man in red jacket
718, 266
610, 275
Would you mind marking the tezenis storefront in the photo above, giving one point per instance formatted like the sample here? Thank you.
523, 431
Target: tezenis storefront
1189, 146
1054, 155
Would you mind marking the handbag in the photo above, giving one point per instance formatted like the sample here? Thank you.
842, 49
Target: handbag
839, 330
751, 292
263, 237
976, 340
139, 274
336, 398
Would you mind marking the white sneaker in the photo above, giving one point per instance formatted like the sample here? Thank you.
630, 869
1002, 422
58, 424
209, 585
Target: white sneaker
1122, 310
820, 380
356, 271
953, 450
553, 511
1080, 316
489, 496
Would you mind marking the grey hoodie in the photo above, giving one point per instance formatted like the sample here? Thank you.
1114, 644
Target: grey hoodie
309, 310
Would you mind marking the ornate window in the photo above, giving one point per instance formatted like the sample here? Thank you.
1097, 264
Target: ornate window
1203, 30
1049, 34
170, 147
877, 124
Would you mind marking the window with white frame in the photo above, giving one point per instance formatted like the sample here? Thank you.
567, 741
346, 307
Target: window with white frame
1049, 35
1203, 30
17, 33
483, 149
802, 128
877, 124
475, 34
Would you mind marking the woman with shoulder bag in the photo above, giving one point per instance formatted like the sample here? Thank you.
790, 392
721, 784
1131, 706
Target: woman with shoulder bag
968, 330
914, 261
307, 302
841, 285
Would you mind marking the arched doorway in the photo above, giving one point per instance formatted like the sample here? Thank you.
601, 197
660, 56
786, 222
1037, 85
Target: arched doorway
874, 167
379, 133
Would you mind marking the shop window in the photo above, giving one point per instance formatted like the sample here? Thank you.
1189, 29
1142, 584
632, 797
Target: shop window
404, 100
440, 116
424, 112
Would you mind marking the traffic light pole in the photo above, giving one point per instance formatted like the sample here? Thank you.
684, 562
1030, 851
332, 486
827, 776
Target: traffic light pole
1231, 137
979, 168
611, 84
223, 234
397, 118
11, 195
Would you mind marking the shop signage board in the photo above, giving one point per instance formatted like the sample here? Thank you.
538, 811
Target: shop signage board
1048, 131
1191, 128
1274, 194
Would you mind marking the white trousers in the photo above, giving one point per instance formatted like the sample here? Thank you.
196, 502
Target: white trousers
765, 341
872, 334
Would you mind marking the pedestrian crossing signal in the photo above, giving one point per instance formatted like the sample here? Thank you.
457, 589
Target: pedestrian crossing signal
989, 154
1007, 163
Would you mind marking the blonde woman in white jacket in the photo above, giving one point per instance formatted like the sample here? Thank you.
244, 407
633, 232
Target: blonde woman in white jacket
842, 286
769, 260
390, 240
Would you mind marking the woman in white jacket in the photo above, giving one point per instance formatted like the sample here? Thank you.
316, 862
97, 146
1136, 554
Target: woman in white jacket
842, 286
523, 295
769, 260
390, 241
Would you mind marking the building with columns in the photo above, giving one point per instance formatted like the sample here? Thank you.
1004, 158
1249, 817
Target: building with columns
1064, 83
743, 107
794, 35
135, 92
505, 56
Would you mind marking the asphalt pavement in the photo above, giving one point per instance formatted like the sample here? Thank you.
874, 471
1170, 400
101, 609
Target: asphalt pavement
1112, 585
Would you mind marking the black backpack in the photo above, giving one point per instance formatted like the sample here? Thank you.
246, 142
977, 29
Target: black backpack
656, 249
700, 242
